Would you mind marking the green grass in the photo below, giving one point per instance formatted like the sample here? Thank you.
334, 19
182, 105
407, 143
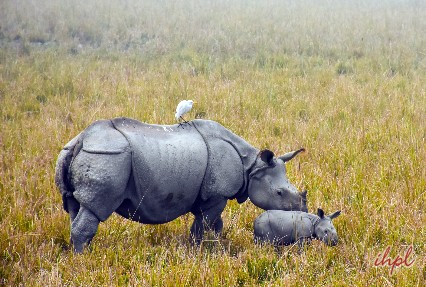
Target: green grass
345, 80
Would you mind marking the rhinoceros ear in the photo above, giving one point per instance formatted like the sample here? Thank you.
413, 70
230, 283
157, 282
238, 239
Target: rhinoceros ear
320, 213
334, 215
288, 156
267, 156
303, 193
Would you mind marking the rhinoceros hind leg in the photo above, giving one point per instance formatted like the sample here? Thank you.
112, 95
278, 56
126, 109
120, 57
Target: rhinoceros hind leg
73, 207
83, 228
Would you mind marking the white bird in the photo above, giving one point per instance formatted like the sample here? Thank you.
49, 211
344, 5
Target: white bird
182, 108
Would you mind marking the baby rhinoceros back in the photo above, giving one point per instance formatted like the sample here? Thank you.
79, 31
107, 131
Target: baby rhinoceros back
287, 227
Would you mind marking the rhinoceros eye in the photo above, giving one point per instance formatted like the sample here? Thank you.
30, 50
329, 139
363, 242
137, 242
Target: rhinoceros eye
279, 192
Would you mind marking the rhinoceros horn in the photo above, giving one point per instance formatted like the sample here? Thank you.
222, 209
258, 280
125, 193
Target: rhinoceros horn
288, 156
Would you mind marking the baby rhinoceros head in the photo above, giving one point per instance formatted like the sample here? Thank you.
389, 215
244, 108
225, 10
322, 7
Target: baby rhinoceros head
324, 229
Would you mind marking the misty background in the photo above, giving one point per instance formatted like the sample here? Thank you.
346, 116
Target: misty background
390, 33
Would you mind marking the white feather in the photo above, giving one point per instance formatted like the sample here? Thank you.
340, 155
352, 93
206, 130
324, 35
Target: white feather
182, 108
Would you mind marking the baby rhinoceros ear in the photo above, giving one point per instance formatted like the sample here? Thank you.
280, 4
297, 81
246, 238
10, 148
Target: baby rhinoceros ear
334, 215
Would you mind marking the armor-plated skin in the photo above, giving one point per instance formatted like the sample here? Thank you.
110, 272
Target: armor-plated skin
287, 227
154, 174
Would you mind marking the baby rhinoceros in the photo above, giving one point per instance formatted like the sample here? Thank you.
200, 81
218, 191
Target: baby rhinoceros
287, 227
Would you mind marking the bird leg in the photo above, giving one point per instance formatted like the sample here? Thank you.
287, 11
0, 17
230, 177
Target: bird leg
184, 121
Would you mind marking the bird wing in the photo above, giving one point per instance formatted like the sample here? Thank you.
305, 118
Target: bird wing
179, 107
186, 108
182, 108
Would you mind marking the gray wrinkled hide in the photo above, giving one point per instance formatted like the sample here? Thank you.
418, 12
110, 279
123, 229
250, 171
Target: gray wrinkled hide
287, 227
153, 174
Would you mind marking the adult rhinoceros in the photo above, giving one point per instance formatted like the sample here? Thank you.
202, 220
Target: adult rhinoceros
154, 174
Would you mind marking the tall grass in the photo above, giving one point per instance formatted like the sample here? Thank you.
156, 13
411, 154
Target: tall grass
344, 79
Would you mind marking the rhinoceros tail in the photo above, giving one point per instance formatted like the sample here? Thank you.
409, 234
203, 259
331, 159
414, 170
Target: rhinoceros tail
62, 177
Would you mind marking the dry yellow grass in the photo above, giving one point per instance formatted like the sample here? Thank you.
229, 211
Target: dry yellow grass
345, 80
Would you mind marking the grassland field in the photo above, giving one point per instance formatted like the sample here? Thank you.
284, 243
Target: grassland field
344, 79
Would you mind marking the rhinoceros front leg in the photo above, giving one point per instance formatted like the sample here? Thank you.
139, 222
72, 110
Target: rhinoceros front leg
207, 215
302, 242
83, 228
